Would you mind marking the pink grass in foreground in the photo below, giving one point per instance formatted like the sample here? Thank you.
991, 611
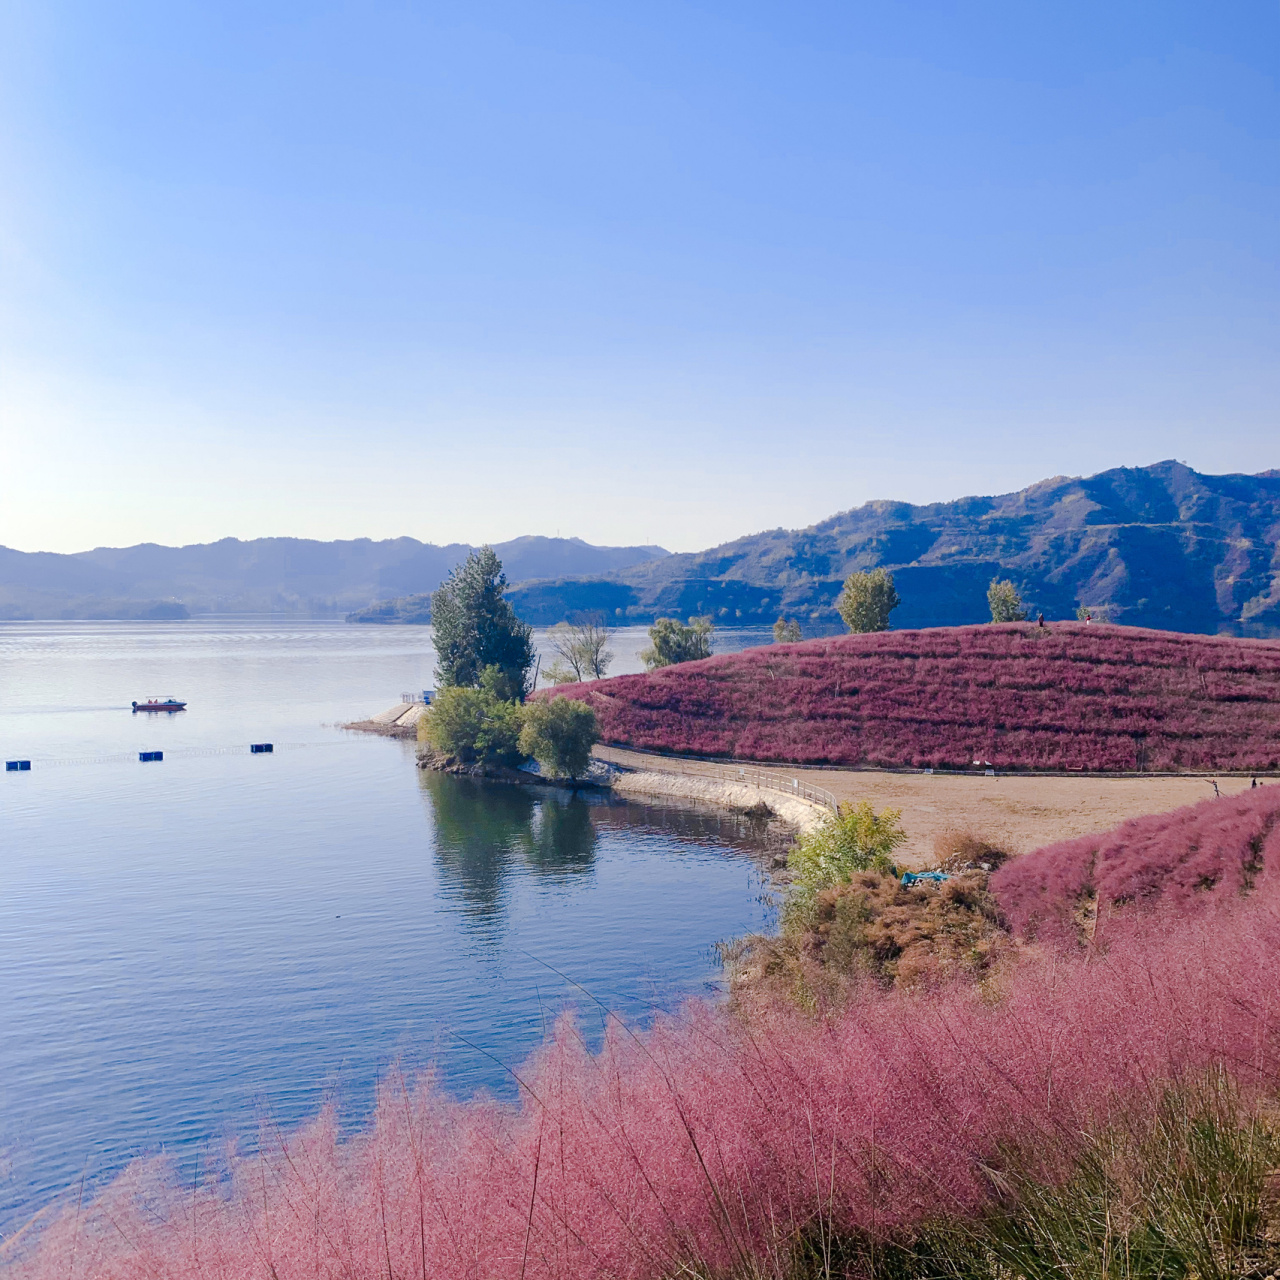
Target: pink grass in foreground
708, 1139
1069, 697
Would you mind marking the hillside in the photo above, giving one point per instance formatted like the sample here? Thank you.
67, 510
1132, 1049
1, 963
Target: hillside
267, 575
1099, 698
1181, 861
1160, 546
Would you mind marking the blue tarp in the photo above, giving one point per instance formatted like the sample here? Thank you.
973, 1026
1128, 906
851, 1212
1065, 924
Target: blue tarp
928, 877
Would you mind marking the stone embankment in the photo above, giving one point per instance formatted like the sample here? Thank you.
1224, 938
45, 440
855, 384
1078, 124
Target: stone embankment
802, 814
400, 721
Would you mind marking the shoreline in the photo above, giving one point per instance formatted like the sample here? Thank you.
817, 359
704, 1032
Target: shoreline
799, 813
1016, 811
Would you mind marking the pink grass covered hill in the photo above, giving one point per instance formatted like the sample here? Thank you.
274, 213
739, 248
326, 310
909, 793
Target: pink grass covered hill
1017, 696
1182, 862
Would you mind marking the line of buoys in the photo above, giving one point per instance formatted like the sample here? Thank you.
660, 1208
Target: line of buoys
182, 753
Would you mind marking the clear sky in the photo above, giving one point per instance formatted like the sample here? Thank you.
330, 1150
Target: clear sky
635, 272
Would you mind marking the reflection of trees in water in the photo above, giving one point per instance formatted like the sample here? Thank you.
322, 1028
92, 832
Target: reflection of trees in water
698, 824
561, 838
485, 831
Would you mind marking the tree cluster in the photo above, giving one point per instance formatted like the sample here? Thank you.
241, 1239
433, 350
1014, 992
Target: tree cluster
484, 654
671, 642
475, 727
786, 631
581, 649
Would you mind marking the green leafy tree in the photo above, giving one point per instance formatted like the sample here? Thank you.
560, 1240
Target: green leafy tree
474, 726
786, 631
500, 684
581, 649
1005, 602
559, 734
854, 839
670, 641
475, 626
867, 601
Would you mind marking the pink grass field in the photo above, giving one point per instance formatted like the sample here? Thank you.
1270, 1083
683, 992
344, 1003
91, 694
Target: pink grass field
1071, 697
707, 1138
1184, 860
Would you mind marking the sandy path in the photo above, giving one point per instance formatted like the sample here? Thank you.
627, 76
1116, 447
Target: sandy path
1016, 813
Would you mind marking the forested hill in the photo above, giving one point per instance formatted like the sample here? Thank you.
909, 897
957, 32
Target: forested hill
1161, 546
267, 575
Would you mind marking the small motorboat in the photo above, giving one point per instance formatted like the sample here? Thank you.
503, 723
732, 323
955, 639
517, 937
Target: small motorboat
160, 704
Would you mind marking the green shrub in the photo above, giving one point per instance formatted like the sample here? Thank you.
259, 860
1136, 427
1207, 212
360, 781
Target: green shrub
672, 642
474, 726
867, 601
559, 735
1183, 1192
854, 839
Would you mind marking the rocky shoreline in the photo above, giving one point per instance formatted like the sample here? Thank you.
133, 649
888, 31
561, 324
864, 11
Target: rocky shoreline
800, 814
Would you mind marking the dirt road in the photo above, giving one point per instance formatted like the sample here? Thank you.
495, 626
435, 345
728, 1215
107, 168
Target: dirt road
1017, 813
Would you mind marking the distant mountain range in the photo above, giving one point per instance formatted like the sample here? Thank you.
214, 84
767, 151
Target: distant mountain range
1160, 546
269, 575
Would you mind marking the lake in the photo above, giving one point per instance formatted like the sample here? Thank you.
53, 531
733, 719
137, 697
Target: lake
186, 946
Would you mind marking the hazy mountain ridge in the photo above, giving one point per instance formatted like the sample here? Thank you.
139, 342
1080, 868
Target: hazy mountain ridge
267, 575
1161, 546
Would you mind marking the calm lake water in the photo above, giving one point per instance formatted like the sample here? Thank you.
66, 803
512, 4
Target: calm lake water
186, 945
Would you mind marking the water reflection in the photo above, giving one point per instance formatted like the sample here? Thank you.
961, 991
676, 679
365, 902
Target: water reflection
270, 923
485, 831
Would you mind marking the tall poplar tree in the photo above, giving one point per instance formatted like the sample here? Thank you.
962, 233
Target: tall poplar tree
477, 629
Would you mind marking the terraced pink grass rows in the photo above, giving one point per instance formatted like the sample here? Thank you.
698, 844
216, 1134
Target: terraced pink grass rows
1071, 697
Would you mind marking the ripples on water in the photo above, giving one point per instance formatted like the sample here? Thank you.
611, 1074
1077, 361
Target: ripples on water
186, 945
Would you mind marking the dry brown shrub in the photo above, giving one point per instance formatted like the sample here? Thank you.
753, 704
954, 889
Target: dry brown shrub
875, 929
920, 935
960, 850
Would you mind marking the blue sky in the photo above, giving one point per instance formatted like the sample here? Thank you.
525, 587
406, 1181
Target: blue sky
633, 272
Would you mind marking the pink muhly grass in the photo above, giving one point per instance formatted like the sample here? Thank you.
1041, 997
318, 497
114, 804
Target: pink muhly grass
1067, 698
715, 1139
1181, 860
